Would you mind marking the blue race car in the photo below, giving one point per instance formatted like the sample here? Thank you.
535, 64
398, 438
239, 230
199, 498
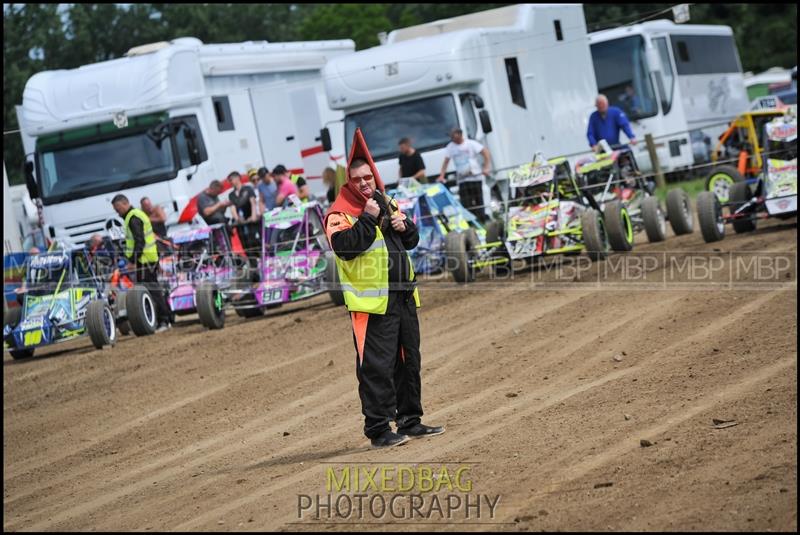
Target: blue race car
442, 222
63, 299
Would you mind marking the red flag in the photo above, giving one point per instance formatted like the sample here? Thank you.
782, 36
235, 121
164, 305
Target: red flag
350, 199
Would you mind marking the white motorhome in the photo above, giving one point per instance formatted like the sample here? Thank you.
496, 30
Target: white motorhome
167, 119
682, 83
768, 82
527, 68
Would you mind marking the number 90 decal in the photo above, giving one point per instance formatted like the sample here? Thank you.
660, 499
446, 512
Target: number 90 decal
271, 296
33, 338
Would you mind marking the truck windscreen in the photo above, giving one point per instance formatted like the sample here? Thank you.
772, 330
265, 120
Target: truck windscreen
103, 166
620, 67
426, 121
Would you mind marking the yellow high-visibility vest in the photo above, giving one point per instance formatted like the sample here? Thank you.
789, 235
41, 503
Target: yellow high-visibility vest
150, 253
294, 178
365, 279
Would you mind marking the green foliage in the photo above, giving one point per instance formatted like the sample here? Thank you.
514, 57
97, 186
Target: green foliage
359, 22
692, 187
39, 37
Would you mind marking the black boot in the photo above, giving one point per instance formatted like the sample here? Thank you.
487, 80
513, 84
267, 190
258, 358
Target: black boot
388, 439
421, 430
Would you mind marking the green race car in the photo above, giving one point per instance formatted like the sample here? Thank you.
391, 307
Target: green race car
549, 215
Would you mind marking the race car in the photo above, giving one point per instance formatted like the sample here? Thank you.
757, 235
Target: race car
200, 254
613, 177
296, 263
63, 299
550, 215
124, 296
773, 195
741, 143
437, 213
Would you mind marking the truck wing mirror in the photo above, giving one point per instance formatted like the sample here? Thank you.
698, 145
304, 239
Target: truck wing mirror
478, 101
325, 138
158, 133
30, 180
191, 144
486, 123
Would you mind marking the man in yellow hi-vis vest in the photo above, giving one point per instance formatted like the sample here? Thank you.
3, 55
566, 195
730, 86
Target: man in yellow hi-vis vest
142, 252
370, 237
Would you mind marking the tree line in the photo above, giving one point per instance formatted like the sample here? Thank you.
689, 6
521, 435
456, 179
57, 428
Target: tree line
38, 37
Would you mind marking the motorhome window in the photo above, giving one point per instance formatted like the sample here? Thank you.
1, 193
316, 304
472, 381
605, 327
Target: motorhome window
620, 67
559, 35
103, 166
683, 51
667, 74
426, 121
183, 147
705, 54
515, 82
470, 122
222, 109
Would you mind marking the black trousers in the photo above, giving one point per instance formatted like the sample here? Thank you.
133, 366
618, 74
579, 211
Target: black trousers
471, 195
250, 234
388, 365
147, 274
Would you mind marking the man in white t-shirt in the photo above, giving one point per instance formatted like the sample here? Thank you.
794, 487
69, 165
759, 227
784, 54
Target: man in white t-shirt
472, 188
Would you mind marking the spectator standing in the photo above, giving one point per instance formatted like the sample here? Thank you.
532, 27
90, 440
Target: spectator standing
210, 208
141, 251
281, 173
267, 190
157, 215
606, 123
411, 162
285, 186
471, 177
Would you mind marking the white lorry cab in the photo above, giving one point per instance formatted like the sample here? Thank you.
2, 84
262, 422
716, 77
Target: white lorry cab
518, 79
681, 83
166, 120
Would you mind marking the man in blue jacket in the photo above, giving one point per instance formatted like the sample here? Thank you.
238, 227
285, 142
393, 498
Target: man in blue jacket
606, 122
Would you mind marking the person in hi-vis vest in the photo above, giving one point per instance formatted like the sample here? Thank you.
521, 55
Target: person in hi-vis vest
141, 251
370, 237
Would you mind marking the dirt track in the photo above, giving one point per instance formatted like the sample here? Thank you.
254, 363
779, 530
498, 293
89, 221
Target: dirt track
187, 430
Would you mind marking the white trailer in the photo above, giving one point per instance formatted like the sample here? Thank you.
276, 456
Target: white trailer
687, 82
527, 67
167, 119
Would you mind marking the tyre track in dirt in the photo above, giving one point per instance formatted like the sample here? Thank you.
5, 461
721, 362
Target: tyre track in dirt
475, 399
671, 420
341, 387
506, 416
455, 339
192, 449
272, 488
